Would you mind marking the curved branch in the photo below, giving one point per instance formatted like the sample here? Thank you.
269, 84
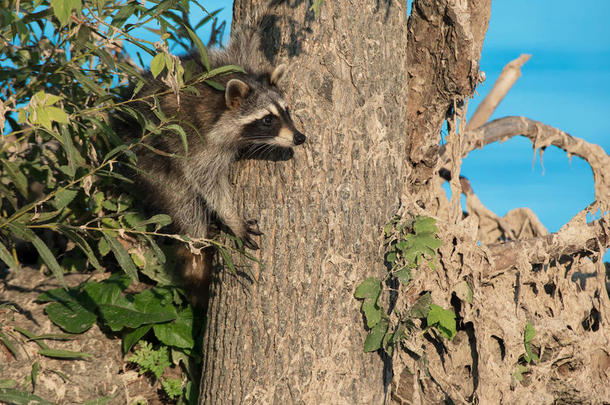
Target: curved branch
542, 136
576, 237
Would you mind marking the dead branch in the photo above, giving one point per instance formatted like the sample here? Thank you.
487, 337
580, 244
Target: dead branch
576, 237
542, 136
509, 75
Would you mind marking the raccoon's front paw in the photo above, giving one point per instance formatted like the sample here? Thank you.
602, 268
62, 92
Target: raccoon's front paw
251, 228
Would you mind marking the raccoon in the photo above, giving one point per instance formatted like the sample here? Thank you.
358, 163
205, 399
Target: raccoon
249, 114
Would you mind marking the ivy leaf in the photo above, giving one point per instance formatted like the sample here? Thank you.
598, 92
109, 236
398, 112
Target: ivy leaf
527, 338
529, 334
424, 224
421, 308
372, 312
403, 275
369, 288
443, 320
375, 337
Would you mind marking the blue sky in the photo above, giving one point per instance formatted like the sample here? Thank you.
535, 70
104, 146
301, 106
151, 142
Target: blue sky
565, 84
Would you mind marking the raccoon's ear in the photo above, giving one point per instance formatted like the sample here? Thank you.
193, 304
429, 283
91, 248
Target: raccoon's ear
235, 93
277, 74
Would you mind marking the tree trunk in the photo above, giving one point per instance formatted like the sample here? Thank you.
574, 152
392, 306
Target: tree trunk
294, 334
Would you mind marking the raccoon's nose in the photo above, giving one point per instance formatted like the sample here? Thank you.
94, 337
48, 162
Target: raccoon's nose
299, 138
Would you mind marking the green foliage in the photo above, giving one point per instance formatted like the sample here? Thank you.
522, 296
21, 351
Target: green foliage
64, 71
410, 245
443, 320
528, 336
132, 316
149, 360
17, 397
315, 7
154, 362
172, 387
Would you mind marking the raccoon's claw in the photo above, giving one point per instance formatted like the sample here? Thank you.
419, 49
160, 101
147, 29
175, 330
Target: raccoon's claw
252, 227
249, 243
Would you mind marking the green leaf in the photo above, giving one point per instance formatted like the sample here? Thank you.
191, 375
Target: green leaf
203, 53
215, 85
16, 397
64, 197
369, 288
315, 7
118, 317
106, 292
391, 257
157, 64
178, 129
70, 316
529, 333
421, 308
18, 178
47, 257
57, 115
228, 261
443, 320
7, 258
375, 337
63, 9
178, 333
9, 346
131, 338
82, 244
7, 383
103, 247
34, 375
403, 275
55, 295
226, 69
122, 257
424, 224
372, 312
64, 354
159, 219
87, 82
463, 292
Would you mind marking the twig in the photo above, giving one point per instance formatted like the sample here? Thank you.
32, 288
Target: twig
508, 77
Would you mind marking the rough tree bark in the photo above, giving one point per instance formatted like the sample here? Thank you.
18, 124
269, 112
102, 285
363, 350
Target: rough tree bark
294, 334
372, 92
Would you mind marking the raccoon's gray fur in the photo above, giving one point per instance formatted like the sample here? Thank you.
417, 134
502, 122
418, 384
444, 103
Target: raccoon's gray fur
251, 112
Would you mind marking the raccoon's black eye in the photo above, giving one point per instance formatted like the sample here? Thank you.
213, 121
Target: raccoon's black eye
267, 119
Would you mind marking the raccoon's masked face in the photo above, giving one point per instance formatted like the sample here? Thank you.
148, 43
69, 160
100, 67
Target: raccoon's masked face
265, 116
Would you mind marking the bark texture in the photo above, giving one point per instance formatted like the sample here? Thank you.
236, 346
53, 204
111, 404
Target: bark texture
293, 332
